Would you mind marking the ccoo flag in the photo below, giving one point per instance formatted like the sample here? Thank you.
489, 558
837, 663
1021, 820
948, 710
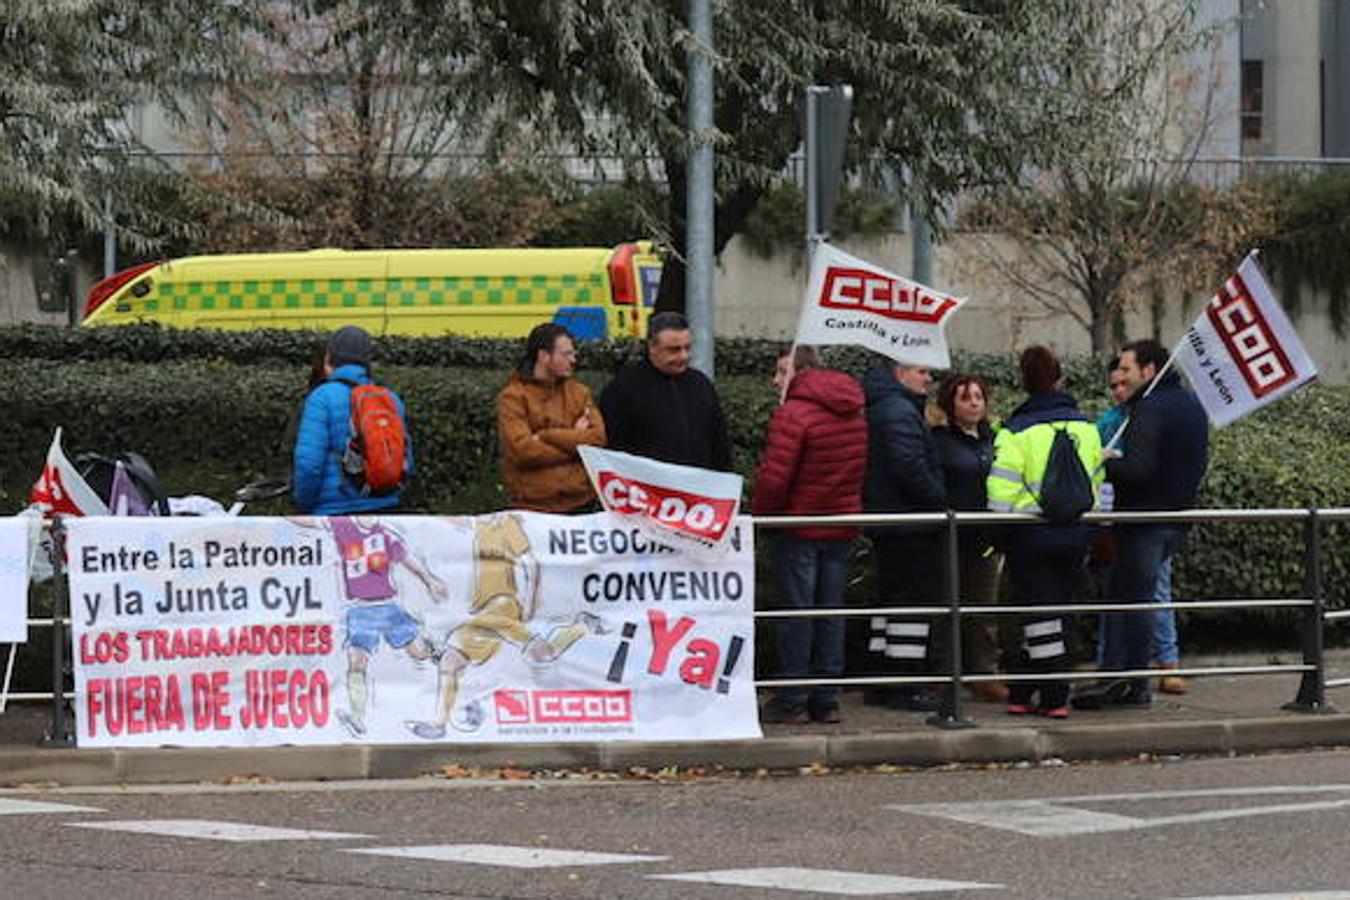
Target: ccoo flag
62, 489
849, 301
1242, 353
685, 506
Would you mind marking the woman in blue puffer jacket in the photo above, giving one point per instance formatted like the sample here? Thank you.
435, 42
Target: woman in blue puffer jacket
318, 484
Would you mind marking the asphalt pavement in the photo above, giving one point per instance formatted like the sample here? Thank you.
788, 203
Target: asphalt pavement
1221, 714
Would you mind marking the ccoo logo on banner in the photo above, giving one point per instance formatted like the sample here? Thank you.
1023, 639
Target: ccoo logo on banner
849, 301
1242, 353
691, 508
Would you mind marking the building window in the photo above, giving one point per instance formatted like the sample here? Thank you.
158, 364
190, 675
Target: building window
1253, 77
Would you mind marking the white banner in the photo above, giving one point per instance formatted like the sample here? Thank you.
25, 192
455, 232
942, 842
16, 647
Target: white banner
691, 507
18, 542
849, 301
1242, 353
508, 627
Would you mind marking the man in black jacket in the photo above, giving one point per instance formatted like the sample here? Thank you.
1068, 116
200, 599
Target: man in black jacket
660, 408
1166, 451
904, 474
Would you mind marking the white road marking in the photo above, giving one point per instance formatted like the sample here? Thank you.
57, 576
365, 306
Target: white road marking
1032, 817
1300, 895
10, 807
205, 829
824, 881
504, 855
1054, 817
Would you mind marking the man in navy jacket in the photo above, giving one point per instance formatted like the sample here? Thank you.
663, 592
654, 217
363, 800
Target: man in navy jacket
904, 474
1166, 451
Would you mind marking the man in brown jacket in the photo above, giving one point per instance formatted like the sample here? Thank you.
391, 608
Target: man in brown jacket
543, 415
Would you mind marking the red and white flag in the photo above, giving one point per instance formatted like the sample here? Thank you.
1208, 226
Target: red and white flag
849, 301
62, 490
682, 505
1242, 353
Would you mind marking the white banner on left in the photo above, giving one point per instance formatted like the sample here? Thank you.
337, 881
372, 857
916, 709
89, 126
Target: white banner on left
359, 629
18, 541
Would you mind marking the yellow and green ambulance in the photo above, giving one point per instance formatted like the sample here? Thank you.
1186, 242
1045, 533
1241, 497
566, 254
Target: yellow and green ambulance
597, 292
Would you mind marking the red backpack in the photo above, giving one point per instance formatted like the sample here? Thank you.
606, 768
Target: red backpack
377, 449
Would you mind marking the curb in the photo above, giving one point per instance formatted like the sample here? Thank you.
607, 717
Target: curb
22, 766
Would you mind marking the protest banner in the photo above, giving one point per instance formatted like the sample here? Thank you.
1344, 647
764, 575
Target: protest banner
850, 301
506, 627
1242, 353
18, 540
691, 507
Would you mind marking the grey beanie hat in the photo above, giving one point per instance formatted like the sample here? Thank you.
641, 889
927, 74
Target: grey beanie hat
350, 344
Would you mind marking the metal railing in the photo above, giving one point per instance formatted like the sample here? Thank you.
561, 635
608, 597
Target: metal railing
1311, 695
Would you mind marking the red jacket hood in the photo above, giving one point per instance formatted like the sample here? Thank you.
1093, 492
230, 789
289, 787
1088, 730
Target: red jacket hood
835, 391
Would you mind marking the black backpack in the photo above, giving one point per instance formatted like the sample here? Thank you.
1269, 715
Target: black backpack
1066, 488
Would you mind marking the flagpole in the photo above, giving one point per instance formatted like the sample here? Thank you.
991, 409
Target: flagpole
813, 242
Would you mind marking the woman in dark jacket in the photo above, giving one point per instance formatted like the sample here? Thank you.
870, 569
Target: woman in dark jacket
965, 445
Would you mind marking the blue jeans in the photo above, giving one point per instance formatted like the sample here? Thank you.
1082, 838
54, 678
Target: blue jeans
811, 574
1164, 621
1128, 638
1163, 636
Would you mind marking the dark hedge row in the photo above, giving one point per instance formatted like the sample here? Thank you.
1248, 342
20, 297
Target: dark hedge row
279, 347
209, 425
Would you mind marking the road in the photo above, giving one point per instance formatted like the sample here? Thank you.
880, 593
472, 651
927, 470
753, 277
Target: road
1272, 826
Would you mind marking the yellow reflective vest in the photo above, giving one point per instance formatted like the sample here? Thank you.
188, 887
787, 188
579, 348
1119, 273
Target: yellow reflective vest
1022, 451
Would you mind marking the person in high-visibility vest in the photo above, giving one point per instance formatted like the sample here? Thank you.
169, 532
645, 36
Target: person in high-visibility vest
1044, 561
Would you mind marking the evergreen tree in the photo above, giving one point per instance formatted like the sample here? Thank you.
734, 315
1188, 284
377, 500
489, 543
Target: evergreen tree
71, 71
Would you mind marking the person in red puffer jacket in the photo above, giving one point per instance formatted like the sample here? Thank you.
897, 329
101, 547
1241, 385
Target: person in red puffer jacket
815, 454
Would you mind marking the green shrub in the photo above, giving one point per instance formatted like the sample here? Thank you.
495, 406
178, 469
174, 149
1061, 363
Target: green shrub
1085, 375
209, 424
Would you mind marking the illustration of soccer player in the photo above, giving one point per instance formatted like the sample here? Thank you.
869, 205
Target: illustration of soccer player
505, 597
367, 551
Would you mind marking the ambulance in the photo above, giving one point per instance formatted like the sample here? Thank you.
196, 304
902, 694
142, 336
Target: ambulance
595, 292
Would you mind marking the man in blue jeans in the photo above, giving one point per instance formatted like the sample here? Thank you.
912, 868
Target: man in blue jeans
1166, 452
1165, 654
815, 452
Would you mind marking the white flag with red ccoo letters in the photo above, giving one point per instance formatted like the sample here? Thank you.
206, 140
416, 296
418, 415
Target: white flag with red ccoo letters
849, 301
685, 506
1242, 353
62, 489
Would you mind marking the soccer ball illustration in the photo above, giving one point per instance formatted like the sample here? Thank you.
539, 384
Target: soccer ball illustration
469, 716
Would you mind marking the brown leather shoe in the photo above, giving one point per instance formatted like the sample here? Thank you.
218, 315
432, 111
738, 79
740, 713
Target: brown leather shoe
1171, 684
990, 691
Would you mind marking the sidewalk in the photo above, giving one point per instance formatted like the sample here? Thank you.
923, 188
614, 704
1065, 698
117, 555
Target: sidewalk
1221, 714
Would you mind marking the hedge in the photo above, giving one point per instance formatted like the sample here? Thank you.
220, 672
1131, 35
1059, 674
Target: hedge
292, 348
217, 411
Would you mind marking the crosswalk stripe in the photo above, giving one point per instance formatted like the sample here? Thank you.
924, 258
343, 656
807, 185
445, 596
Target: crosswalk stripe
1296, 895
824, 881
205, 829
10, 807
505, 855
